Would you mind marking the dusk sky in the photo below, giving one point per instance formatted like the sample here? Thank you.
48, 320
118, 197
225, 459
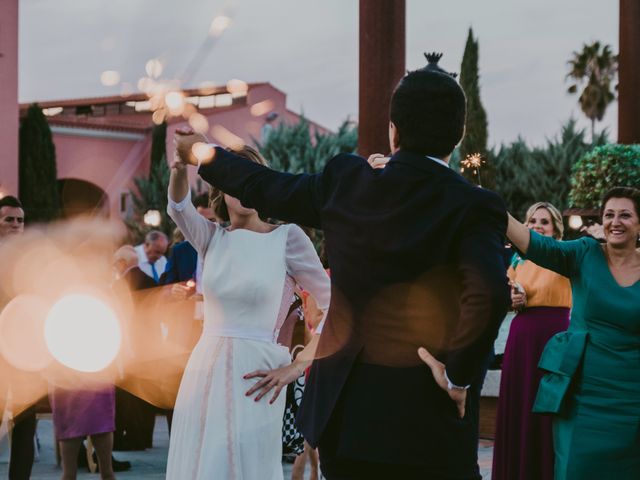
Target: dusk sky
309, 50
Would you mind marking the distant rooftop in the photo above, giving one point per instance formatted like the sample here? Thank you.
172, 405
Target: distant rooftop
134, 112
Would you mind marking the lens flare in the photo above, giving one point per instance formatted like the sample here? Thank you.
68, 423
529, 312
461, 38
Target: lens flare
154, 68
109, 78
219, 25
199, 123
22, 341
575, 222
202, 152
82, 333
261, 108
152, 218
174, 102
237, 88
226, 137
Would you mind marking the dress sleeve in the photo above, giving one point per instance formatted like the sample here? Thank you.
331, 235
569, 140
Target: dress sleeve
304, 266
196, 229
563, 257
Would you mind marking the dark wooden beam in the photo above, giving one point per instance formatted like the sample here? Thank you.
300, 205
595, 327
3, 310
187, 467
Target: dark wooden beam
629, 73
382, 65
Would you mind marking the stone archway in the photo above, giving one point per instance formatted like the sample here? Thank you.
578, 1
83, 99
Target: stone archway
79, 197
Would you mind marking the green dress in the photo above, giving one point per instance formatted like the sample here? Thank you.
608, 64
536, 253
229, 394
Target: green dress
592, 384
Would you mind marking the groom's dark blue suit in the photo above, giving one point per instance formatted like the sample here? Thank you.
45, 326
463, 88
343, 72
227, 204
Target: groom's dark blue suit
415, 253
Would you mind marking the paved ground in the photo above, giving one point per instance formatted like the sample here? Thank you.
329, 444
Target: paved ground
150, 464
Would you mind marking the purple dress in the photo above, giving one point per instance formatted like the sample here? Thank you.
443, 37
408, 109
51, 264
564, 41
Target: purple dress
78, 413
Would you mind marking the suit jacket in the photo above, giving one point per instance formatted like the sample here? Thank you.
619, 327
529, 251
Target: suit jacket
136, 279
182, 264
415, 253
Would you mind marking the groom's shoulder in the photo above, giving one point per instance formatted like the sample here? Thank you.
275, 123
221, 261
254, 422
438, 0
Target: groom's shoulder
343, 162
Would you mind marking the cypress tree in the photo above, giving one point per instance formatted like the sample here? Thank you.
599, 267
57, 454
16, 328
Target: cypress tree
475, 138
38, 185
158, 144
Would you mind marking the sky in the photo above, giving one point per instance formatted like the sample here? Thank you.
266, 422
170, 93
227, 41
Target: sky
309, 50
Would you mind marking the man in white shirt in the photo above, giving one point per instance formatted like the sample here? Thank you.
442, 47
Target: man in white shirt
151, 259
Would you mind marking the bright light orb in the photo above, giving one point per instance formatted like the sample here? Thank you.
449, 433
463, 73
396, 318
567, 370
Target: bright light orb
237, 88
109, 78
174, 102
219, 25
154, 68
82, 333
152, 218
21, 333
203, 152
575, 222
199, 123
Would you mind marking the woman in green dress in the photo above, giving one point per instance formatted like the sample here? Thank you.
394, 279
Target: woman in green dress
592, 380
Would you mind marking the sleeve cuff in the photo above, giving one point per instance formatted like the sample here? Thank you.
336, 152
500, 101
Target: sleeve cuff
452, 386
181, 205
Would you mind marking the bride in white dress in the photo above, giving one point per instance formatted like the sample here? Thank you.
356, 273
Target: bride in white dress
250, 270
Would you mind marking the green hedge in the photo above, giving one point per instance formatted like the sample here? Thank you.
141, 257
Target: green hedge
603, 168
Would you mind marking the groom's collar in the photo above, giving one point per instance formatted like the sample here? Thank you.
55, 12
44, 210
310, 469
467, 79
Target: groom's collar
417, 160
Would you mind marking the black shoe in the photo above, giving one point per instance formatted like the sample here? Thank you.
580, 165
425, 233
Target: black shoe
120, 466
116, 465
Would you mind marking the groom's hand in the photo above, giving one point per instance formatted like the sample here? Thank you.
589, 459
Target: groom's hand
458, 395
191, 148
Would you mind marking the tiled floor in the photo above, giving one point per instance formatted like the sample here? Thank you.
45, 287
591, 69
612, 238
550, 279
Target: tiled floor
150, 464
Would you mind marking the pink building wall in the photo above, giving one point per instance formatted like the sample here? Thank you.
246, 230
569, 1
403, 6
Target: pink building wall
9, 113
109, 163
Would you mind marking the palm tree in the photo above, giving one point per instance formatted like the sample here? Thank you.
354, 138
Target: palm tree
596, 66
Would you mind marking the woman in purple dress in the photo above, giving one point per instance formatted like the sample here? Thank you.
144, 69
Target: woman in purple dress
81, 413
523, 448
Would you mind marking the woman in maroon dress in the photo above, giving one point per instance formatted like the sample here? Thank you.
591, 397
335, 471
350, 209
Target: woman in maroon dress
523, 448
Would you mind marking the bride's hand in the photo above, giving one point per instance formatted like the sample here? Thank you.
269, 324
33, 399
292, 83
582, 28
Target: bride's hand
377, 160
277, 379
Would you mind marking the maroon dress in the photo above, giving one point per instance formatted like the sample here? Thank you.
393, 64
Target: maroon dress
523, 447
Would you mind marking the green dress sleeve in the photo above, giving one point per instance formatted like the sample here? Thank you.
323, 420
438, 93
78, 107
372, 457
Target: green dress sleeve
563, 257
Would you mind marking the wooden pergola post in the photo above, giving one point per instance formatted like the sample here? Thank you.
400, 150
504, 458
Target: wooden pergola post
629, 73
382, 65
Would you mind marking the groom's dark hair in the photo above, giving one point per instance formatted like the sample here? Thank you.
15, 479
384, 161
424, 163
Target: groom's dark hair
428, 108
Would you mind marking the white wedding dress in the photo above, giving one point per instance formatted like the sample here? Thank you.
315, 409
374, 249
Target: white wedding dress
248, 281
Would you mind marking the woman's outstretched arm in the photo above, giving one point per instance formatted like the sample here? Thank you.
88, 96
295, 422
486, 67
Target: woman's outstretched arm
518, 234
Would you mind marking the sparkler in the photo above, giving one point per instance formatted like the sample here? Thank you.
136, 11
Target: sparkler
473, 161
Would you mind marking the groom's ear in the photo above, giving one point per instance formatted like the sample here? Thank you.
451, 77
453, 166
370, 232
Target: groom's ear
394, 137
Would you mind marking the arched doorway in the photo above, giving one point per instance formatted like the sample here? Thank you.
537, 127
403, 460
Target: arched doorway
79, 197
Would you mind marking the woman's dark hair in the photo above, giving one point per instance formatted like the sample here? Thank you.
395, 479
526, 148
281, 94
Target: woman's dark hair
630, 193
216, 196
428, 108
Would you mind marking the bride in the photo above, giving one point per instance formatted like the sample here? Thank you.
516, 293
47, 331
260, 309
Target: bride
250, 269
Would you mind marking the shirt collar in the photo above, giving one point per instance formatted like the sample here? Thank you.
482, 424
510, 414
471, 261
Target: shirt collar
437, 160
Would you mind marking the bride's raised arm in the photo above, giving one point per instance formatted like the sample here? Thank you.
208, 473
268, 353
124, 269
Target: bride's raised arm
195, 228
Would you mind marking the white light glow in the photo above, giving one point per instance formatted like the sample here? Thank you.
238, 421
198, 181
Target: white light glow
575, 222
154, 68
199, 123
202, 152
152, 218
219, 25
82, 333
174, 102
109, 78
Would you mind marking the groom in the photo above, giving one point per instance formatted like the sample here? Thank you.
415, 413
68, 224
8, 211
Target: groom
415, 253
